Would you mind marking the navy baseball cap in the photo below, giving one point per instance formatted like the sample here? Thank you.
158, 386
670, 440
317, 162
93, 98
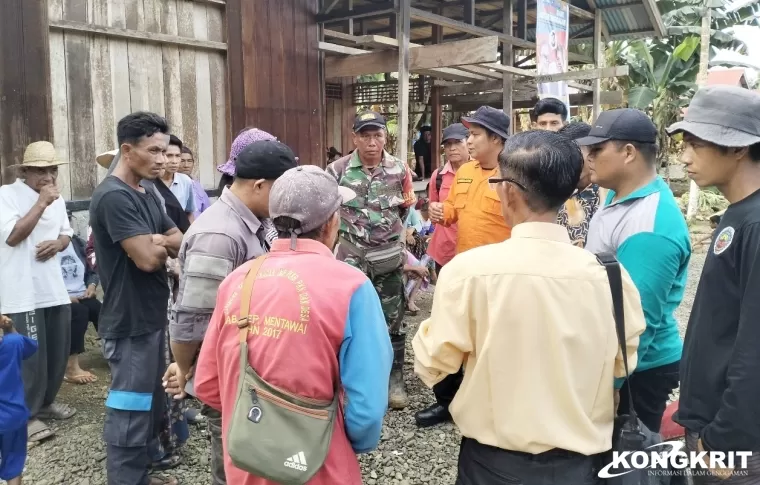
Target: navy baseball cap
368, 119
493, 119
623, 124
457, 131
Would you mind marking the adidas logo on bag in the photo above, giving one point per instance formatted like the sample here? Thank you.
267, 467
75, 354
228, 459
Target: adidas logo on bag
297, 462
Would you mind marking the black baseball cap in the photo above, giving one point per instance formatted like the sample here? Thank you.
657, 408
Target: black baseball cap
494, 119
368, 119
457, 131
265, 159
624, 124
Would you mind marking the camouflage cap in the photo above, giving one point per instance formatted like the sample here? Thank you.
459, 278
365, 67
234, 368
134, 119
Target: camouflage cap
309, 195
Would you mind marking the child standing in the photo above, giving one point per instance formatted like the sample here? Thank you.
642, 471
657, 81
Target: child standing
13, 349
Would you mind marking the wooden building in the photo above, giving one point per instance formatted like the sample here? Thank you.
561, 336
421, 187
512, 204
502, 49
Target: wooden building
70, 69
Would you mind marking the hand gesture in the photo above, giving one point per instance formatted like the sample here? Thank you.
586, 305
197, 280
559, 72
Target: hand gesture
48, 194
436, 211
47, 249
422, 271
175, 380
90, 293
74, 299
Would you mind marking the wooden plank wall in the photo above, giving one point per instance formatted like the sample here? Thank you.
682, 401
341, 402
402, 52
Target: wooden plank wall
24, 81
98, 77
275, 69
339, 119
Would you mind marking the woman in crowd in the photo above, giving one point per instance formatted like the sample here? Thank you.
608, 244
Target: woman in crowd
81, 282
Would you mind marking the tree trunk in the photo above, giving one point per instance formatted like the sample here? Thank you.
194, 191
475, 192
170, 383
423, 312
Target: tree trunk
704, 57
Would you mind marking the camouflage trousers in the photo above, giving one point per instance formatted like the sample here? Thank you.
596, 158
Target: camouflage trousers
390, 289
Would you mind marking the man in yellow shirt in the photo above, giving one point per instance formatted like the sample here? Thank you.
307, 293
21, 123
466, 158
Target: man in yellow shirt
475, 207
531, 319
471, 203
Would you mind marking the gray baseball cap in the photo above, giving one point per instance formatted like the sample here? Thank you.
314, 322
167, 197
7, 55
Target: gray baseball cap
728, 116
307, 194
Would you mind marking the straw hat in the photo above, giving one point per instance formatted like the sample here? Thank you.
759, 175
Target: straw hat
106, 159
40, 154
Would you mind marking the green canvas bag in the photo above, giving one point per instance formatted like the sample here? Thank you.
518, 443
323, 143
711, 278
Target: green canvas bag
273, 433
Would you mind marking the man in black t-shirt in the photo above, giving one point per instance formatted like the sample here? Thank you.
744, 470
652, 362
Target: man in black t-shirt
133, 238
423, 154
720, 366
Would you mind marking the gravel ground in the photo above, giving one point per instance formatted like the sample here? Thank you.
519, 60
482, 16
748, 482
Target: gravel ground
406, 455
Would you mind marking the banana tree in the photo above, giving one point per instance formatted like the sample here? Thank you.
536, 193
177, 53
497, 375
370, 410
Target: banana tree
661, 81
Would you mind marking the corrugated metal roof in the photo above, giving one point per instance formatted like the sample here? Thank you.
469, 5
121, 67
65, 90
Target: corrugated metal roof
625, 19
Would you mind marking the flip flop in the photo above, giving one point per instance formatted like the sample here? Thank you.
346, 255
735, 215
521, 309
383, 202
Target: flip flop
38, 431
58, 411
86, 378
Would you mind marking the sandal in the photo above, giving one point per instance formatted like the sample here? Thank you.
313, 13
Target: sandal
85, 378
37, 431
154, 480
58, 411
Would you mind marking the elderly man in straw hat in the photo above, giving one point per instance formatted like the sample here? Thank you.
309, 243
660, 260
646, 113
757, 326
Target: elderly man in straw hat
34, 227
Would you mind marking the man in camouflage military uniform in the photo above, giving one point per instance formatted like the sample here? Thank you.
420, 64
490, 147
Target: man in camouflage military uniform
371, 229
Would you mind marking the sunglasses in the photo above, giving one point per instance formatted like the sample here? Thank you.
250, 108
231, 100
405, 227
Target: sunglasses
494, 182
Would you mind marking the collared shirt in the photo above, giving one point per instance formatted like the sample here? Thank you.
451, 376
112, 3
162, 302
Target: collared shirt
443, 245
648, 232
576, 213
383, 196
224, 237
317, 326
182, 188
25, 283
202, 201
475, 207
531, 320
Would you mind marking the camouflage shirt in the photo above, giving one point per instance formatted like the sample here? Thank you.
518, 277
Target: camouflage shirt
383, 197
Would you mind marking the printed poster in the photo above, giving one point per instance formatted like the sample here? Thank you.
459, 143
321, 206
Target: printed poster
552, 25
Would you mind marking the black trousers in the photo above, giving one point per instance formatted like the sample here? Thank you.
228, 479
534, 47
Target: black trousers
82, 313
446, 389
650, 390
486, 465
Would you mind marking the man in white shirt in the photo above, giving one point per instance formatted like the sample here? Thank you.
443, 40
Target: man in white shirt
34, 227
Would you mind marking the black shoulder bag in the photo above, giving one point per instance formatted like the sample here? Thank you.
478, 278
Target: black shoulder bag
628, 433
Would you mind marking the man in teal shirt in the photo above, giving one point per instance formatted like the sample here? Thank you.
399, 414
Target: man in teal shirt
642, 223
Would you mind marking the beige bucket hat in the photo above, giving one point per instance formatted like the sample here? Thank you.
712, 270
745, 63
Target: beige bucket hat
106, 159
40, 154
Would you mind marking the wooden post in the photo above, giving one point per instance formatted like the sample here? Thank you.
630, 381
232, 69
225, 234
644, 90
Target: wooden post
25, 95
351, 21
598, 61
435, 103
469, 11
403, 25
507, 59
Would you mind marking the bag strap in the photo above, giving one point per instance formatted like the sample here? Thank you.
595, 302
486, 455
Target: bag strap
611, 264
245, 297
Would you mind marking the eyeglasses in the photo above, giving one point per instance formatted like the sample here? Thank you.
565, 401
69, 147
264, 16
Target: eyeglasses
494, 182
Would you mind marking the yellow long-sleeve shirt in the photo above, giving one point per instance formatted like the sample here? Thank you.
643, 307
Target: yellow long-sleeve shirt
475, 208
531, 320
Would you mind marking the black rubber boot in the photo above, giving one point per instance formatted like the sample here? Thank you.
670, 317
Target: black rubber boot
397, 397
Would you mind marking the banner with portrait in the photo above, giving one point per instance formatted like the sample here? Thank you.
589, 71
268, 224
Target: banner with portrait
552, 26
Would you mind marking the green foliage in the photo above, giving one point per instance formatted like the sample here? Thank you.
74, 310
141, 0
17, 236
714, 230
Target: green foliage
710, 201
